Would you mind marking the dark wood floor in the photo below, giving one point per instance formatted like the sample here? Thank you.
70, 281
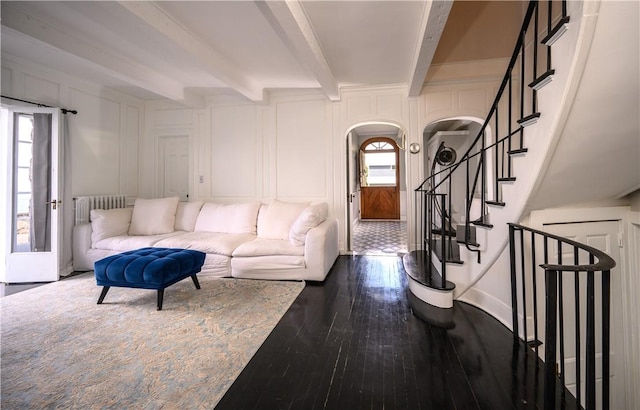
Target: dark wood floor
352, 342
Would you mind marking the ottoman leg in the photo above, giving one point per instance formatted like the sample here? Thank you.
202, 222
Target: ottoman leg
103, 294
160, 297
195, 281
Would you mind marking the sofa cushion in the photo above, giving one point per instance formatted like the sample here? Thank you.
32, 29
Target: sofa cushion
273, 265
153, 216
234, 218
106, 223
278, 219
125, 242
208, 242
186, 215
311, 217
265, 247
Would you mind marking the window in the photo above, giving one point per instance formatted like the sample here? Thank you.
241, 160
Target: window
22, 180
378, 164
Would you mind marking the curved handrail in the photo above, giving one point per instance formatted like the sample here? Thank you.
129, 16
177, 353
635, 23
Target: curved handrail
605, 262
514, 58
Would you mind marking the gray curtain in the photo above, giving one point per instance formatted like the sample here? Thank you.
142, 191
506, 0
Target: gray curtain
41, 184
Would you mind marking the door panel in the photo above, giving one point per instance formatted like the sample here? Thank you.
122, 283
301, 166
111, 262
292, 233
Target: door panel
601, 235
379, 203
174, 167
33, 215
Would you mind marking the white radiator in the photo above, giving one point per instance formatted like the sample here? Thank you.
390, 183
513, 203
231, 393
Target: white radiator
84, 205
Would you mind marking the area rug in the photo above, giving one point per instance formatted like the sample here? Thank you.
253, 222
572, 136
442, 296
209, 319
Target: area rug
62, 350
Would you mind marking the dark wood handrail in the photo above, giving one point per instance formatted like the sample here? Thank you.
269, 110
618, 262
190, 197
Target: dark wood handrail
605, 262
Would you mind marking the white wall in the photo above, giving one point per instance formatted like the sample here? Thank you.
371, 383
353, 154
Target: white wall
103, 135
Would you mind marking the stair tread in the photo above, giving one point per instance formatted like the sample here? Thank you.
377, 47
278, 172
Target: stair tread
543, 79
438, 231
486, 225
416, 264
496, 203
470, 243
506, 179
529, 119
518, 151
560, 26
453, 254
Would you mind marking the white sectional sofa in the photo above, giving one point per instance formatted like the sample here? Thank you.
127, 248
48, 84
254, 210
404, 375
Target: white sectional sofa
279, 240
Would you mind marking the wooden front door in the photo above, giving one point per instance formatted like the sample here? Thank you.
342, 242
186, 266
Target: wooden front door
379, 182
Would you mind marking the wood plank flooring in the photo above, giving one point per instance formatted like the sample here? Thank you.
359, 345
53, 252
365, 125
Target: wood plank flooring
352, 342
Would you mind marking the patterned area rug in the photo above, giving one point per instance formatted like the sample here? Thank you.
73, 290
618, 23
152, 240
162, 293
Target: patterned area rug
62, 350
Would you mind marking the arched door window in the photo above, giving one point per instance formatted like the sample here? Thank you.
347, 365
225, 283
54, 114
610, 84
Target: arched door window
378, 163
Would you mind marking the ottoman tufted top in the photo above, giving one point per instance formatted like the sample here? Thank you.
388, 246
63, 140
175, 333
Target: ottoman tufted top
150, 268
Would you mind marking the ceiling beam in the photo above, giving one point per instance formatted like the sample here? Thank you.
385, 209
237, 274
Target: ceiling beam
290, 22
434, 18
115, 65
217, 64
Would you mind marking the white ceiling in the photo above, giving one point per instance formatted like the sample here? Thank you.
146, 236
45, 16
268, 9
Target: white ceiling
186, 50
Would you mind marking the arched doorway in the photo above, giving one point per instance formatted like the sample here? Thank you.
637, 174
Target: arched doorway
387, 236
455, 135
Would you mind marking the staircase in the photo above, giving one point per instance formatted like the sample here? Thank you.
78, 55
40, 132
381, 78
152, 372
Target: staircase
501, 169
502, 164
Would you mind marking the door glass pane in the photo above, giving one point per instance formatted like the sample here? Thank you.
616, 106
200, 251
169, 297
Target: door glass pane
381, 168
23, 185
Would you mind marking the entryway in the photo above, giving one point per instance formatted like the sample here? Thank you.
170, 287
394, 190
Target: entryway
31, 232
376, 211
380, 238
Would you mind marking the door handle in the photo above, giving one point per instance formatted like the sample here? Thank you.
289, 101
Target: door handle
54, 203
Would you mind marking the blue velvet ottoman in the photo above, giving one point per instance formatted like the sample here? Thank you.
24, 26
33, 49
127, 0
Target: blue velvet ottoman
148, 268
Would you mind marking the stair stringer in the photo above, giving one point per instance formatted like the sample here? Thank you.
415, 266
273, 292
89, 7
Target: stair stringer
569, 55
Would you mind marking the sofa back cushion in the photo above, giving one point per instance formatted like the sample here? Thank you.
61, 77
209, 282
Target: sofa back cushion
186, 215
312, 216
153, 216
234, 218
278, 219
106, 223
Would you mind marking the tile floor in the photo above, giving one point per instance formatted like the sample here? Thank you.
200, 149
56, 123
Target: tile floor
380, 237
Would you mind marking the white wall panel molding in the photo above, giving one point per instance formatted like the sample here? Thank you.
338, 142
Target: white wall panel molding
472, 99
301, 130
173, 117
200, 149
36, 88
131, 129
96, 138
20, 68
374, 104
6, 77
234, 150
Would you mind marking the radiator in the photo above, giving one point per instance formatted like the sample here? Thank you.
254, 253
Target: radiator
84, 204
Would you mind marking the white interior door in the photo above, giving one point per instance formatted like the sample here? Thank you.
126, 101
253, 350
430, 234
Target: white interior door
174, 166
601, 235
31, 235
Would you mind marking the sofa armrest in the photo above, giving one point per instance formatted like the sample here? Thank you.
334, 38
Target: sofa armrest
321, 249
81, 245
